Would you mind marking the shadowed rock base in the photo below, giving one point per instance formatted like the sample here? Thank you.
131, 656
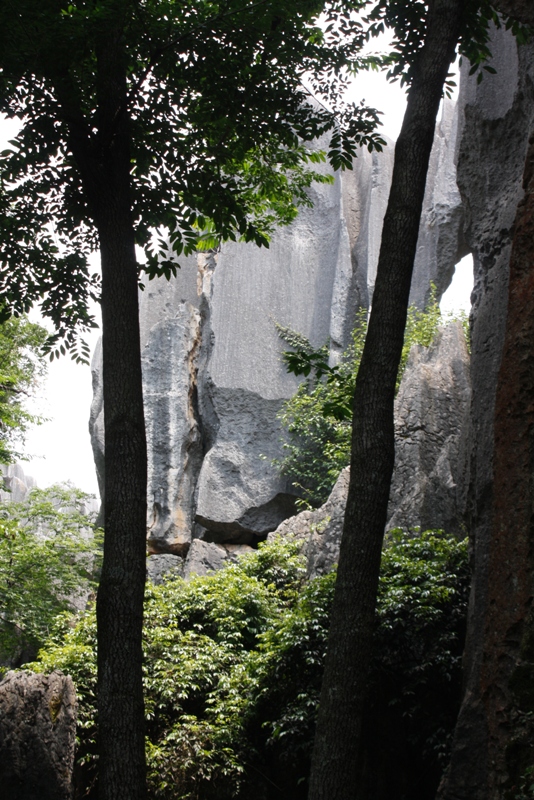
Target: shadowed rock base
37, 733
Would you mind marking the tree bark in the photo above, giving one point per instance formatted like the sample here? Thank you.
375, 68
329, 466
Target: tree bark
121, 589
334, 773
104, 163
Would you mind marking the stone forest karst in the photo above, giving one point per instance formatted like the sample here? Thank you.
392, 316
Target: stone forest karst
214, 383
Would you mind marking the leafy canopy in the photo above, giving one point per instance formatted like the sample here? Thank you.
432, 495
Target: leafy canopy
219, 125
233, 665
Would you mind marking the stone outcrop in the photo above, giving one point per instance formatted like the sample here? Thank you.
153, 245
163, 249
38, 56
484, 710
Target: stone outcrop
431, 412
202, 558
213, 377
427, 488
17, 484
320, 530
37, 736
497, 119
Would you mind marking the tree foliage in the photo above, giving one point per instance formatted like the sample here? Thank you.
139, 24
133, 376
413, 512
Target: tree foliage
22, 364
318, 416
49, 557
219, 124
233, 665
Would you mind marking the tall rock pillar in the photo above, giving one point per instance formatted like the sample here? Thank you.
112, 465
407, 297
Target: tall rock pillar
498, 117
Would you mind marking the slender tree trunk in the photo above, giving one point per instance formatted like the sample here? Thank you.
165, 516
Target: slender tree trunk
121, 589
104, 163
334, 774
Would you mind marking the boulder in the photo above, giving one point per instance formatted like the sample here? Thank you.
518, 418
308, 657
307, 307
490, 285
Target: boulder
320, 530
202, 558
37, 736
162, 565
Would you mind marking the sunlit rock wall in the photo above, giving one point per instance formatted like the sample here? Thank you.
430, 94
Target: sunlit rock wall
214, 381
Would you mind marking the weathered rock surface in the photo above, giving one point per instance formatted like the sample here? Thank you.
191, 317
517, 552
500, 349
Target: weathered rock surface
213, 378
169, 370
17, 483
37, 736
430, 416
430, 413
497, 118
320, 530
521, 10
162, 565
202, 558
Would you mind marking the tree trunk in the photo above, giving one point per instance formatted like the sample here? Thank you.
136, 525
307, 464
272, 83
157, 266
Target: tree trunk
334, 774
104, 163
121, 588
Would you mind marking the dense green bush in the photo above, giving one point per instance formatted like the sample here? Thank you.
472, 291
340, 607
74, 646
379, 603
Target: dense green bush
318, 417
233, 665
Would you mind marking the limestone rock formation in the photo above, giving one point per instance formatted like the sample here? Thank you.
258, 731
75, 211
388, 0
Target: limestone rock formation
202, 558
320, 530
497, 119
17, 484
430, 417
213, 377
37, 736
427, 490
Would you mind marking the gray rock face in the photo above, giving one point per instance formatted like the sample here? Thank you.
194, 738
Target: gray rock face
430, 416
496, 120
202, 558
162, 565
213, 377
37, 736
441, 242
169, 373
320, 531
17, 483
430, 413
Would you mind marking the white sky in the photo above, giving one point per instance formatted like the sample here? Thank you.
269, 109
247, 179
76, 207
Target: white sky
60, 448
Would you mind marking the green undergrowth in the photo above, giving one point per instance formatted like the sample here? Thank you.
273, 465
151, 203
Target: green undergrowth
233, 665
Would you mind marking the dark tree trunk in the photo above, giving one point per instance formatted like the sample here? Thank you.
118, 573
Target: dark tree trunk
334, 774
104, 163
121, 588
122, 584
498, 708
